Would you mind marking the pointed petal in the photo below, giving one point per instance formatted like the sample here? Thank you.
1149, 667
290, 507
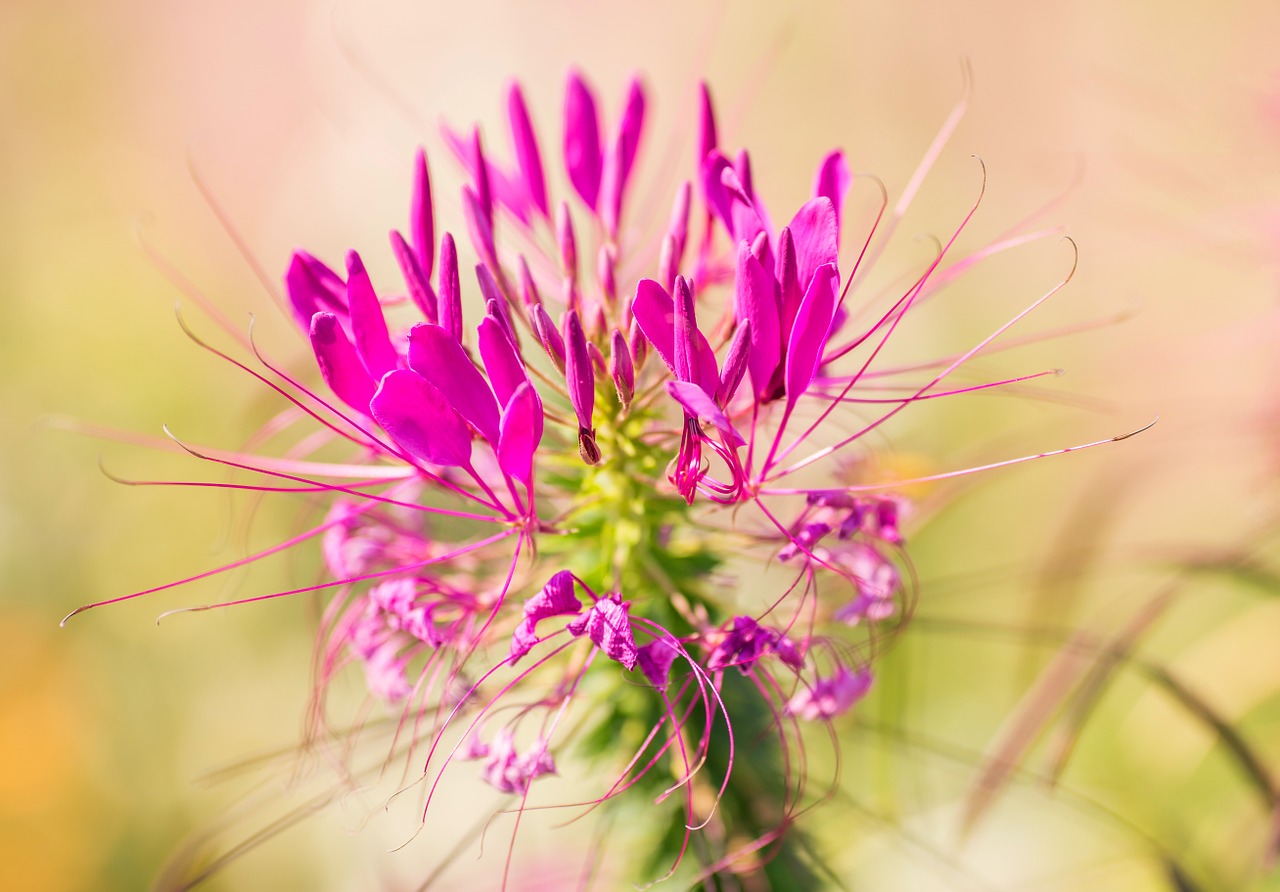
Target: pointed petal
422, 216
790, 293
521, 433
735, 362
450, 303
809, 337
833, 181
420, 291
549, 335
437, 357
420, 420
621, 369
655, 313
528, 157
817, 238
618, 165
339, 365
368, 327
582, 153
686, 324
528, 287
479, 227
313, 287
706, 126
506, 372
578, 371
698, 404
756, 296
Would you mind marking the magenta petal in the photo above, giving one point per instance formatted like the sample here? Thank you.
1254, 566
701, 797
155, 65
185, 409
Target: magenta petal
313, 287
700, 405
521, 433
528, 287
618, 165
525, 142
833, 181
450, 287
506, 372
608, 625
422, 217
368, 327
718, 198
621, 368
578, 371
339, 365
655, 313
790, 292
437, 357
420, 291
479, 227
420, 420
756, 299
817, 237
496, 184
706, 126
809, 337
549, 335
582, 153
686, 324
735, 362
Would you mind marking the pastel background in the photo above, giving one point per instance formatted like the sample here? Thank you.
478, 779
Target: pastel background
1150, 130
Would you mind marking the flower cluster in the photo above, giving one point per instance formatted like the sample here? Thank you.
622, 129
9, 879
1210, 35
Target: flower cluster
543, 510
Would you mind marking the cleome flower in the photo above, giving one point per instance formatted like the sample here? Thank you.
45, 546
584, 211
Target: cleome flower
554, 460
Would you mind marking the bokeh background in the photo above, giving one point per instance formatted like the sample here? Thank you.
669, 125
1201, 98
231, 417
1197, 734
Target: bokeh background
1150, 131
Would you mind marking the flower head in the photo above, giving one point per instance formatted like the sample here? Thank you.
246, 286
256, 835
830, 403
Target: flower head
550, 491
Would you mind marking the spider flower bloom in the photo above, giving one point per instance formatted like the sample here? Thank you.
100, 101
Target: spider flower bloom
538, 506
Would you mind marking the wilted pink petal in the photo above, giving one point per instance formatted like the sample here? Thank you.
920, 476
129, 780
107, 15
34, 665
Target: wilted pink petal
556, 598
608, 625
829, 697
809, 336
528, 158
420, 420
582, 152
440, 359
655, 659
368, 326
521, 432
341, 369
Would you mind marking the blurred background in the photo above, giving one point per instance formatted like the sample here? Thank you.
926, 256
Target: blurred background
1150, 131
